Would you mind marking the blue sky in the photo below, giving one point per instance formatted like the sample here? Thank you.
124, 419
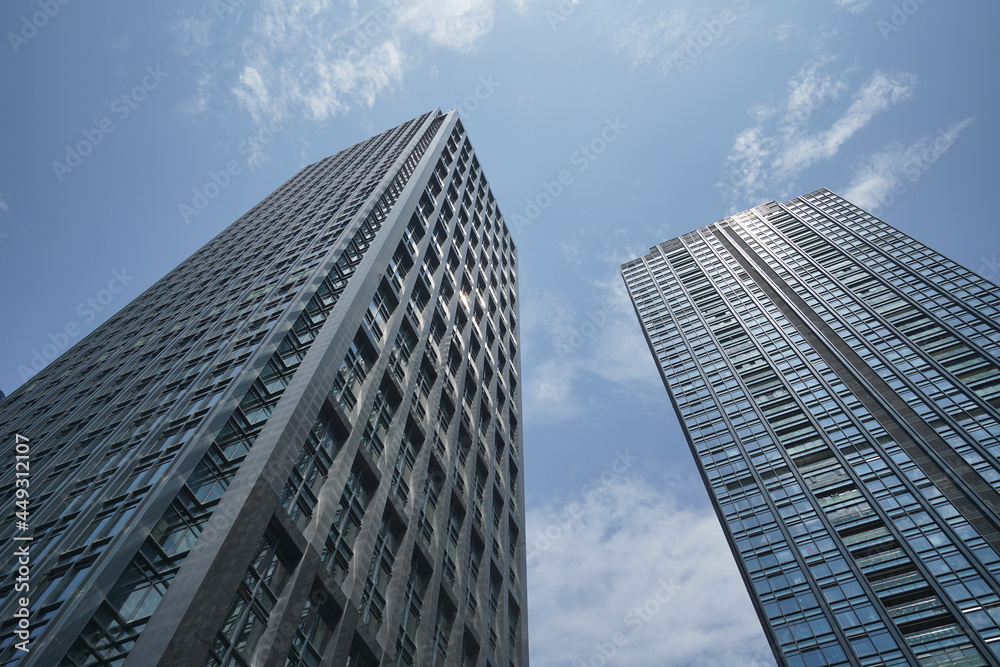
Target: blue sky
659, 117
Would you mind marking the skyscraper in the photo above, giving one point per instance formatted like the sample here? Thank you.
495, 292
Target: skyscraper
300, 447
838, 383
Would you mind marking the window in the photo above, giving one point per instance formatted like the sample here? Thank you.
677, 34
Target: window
413, 597
405, 460
299, 496
248, 614
353, 371
311, 636
442, 629
338, 549
379, 419
380, 571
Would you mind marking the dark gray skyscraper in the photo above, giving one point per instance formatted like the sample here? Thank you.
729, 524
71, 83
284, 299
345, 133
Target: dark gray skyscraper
300, 447
838, 383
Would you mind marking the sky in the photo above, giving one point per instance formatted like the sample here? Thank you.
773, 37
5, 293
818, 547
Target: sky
132, 133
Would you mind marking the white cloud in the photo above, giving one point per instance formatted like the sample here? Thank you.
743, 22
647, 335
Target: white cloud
881, 92
572, 251
549, 391
883, 176
4, 206
630, 558
455, 24
252, 92
766, 161
318, 59
193, 34
120, 42
198, 103
644, 39
298, 63
574, 344
671, 36
808, 90
854, 6
621, 355
544, 311
198, 32
549, 383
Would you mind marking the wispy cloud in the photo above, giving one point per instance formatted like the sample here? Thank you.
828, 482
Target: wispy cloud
301, 60
549, 391
120, 42
318, 59
576, 343
854, 6
455, 24
642, 37
197, 104
881, 92
883, 176
767, 158
4, 206
634, 571
572, 251
198, 31
672, 36
783, 31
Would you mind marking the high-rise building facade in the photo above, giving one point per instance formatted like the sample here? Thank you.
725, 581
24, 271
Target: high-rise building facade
839, 386
300, 447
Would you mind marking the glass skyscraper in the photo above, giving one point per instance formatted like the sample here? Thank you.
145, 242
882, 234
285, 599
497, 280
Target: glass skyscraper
300, 447
838, 383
